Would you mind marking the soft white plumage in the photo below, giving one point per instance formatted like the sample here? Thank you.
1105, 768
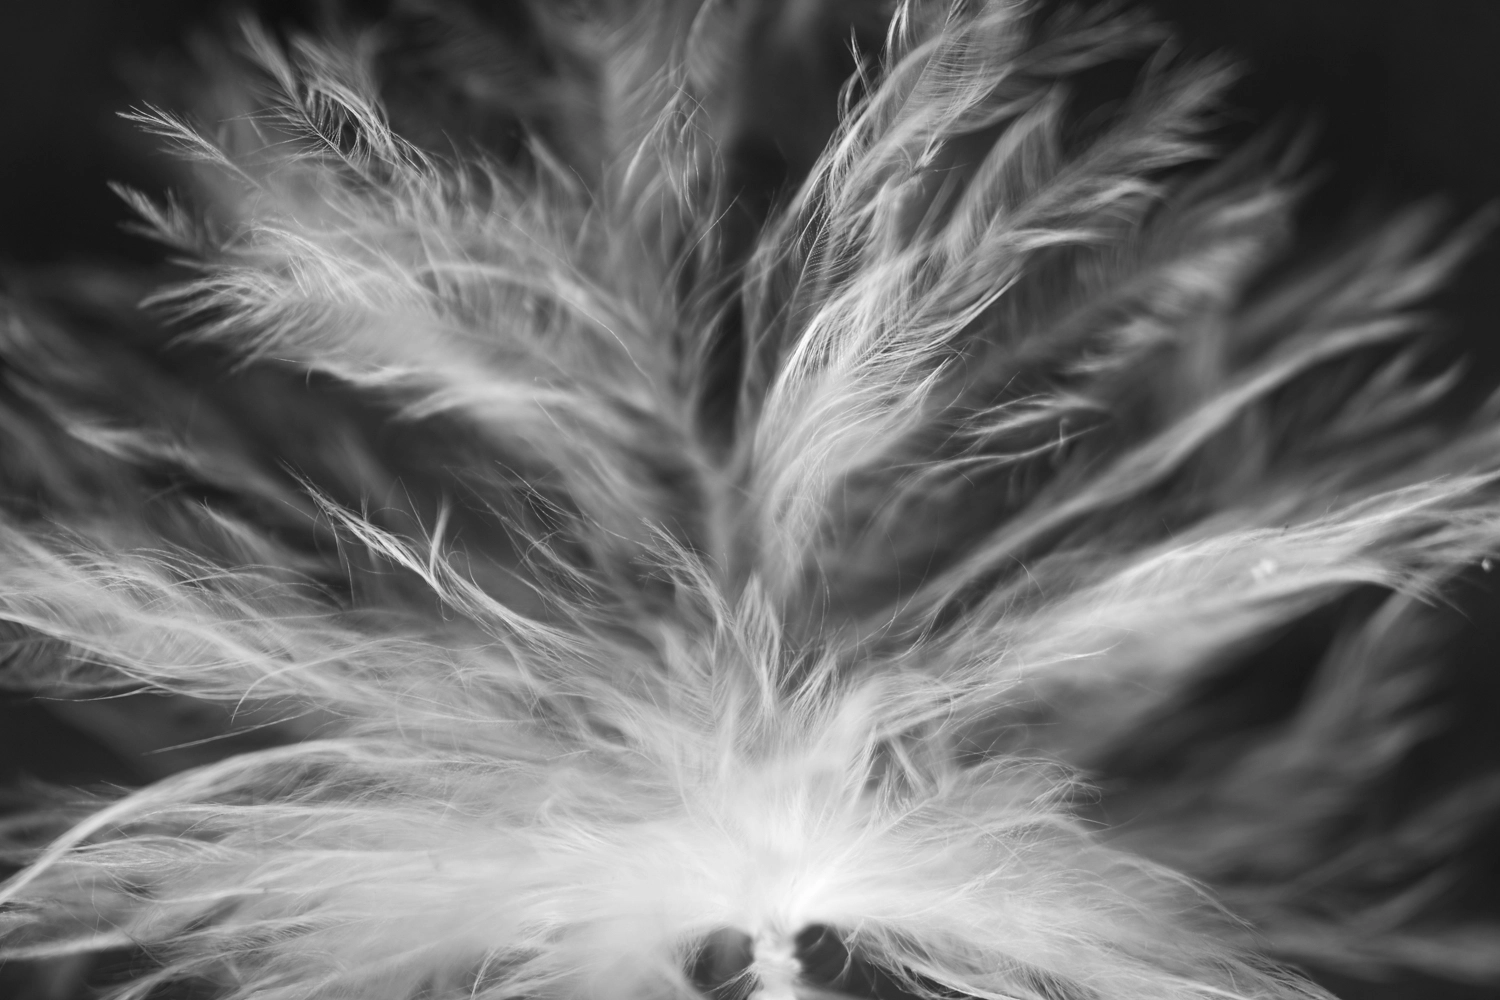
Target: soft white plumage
585, 677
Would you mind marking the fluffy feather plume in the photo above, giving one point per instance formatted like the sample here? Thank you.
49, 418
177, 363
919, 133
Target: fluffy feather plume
645, 608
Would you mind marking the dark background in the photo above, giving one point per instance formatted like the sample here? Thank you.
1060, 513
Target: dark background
1405, 92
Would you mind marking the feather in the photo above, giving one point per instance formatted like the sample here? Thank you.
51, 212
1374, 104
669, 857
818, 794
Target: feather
591, 684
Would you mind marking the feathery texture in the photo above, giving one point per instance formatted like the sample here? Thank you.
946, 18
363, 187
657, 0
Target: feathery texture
650, 589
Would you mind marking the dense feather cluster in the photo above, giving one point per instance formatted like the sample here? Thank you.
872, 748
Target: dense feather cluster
644, 587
